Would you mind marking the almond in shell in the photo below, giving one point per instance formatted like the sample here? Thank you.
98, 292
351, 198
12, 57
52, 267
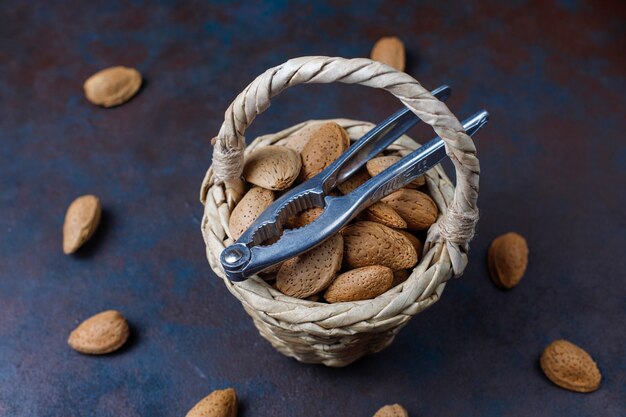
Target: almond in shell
507, 260
369, 243
112, 86
570, 367
360, 284
304, 218
395, 410
327, 142
354, 181
219, 403
81, 221
298, 140
384, 214
103, 333
417, 244
295, 222
416, 208
389, 50
311, 272
253, 203
377, 165
272, 167
377, 212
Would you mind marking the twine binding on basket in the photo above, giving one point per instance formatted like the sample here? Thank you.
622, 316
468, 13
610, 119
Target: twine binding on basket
338, 334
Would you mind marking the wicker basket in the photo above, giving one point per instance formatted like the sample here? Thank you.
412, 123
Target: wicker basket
338, 334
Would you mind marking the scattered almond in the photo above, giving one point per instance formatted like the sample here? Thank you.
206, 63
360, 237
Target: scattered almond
360, 284
103, 333
327, 142
304, 218
389, 50
369, 243
416, 208
570, 367
272, 167
377, 165
395, 410
112, 86
253, 203
384, 214
311, 272
507, 260
220, 403
81, 221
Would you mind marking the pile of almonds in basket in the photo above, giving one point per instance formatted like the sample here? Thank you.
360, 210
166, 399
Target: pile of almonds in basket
370, 255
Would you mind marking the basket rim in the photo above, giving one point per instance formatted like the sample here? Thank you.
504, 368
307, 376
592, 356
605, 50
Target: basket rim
393, 308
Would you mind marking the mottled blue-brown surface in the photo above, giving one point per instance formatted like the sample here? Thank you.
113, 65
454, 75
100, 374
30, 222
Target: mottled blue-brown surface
552, 74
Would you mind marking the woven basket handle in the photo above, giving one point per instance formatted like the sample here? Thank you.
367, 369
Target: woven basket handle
456, 226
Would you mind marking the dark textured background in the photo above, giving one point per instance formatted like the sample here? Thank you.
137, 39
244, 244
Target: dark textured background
552, 74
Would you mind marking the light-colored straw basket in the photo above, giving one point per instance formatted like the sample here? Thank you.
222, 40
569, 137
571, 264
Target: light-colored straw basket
338, 334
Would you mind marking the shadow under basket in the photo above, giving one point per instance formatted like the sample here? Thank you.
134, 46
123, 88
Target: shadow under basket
338, 334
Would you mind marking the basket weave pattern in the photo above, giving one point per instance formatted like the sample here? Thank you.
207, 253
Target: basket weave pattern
338, 334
